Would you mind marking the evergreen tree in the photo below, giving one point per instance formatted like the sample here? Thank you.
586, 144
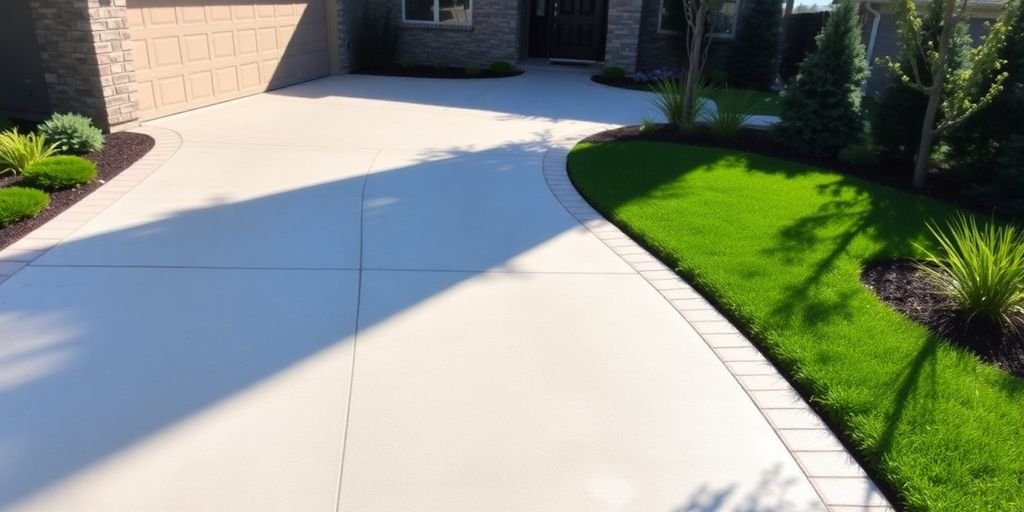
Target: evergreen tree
821, 109
754, 60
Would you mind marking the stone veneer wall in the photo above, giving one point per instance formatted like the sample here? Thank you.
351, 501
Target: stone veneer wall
494, 36
621, 44
87, 58
664, 50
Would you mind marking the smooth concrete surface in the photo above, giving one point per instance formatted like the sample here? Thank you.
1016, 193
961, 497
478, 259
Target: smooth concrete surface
358, 294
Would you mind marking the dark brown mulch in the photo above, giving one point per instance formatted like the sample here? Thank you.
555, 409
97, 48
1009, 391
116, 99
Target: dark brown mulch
621, 83
891, 174
121, 151
903, 286
425, 71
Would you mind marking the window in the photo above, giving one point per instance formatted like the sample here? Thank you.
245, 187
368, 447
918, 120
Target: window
723, 19
448, 12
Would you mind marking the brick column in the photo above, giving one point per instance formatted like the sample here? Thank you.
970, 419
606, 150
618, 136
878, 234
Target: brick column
623, 33
87, 58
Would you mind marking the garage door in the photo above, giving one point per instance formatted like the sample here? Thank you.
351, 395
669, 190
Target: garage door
190, 53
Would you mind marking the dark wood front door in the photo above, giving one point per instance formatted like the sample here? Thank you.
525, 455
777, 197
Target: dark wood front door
577, 29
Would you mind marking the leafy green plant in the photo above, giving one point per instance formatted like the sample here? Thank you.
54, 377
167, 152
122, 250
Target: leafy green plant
441, 65
981, 268
501, 67
472, 70
732, 113
59, 173
821, 108
72, 133
858, 154
18, 150
670, 98
613, 73
20, 203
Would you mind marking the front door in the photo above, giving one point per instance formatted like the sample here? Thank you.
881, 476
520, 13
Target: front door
577, 29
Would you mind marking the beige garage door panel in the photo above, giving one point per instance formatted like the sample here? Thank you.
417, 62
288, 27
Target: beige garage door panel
189, 54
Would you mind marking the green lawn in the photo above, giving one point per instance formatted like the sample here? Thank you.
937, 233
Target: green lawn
766, 103
780, 247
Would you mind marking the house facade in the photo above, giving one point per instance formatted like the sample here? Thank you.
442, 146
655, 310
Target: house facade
122, 61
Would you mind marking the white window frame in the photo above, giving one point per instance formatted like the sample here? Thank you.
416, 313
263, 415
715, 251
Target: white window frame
713, 35
437, 17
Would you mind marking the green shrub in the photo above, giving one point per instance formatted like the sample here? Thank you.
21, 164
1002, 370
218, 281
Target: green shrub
59, 173
1002, 186
754, 60
72, 133
472, 70
18, 150
669, 98
858, 154
20, 203
732, 113
441, 65
501, 67
821, 108
981, 268
613, 73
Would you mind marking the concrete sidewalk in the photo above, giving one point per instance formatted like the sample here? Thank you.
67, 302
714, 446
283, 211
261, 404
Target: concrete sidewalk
360, 294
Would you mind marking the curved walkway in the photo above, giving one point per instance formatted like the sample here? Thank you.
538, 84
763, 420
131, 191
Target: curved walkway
360, 294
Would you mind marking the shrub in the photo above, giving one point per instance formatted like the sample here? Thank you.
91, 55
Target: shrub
669, 97
979, 142
20, 203
1002, 186
613, 73
472, 70
981, 268
60, 173
441, 65
858, 154
501, 67
821, 110
754, 60
72, 133
731, 115
17, 151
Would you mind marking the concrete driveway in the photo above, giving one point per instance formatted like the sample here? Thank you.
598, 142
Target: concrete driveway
359, 294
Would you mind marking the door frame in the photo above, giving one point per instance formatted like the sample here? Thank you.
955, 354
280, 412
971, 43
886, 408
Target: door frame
549, 34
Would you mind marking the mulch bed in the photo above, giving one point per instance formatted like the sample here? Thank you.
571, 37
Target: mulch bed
903, 286
121, 150
425, 71
892, 174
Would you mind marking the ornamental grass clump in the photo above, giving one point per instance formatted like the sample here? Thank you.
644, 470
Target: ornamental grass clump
18, 151
733, 112
981, 269
670, 100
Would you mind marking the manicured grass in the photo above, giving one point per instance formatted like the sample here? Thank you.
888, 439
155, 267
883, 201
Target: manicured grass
766, 103
780, 246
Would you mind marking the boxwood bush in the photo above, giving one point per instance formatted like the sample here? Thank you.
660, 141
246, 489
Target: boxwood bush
500, 66
60, 173
72, 133
20, 203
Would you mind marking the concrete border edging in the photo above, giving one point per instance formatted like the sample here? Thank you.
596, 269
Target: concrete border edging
33, 245
838, 479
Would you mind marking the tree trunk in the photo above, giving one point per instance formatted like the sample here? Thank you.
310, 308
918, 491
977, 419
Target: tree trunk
928, 132
924, 150
693, 66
